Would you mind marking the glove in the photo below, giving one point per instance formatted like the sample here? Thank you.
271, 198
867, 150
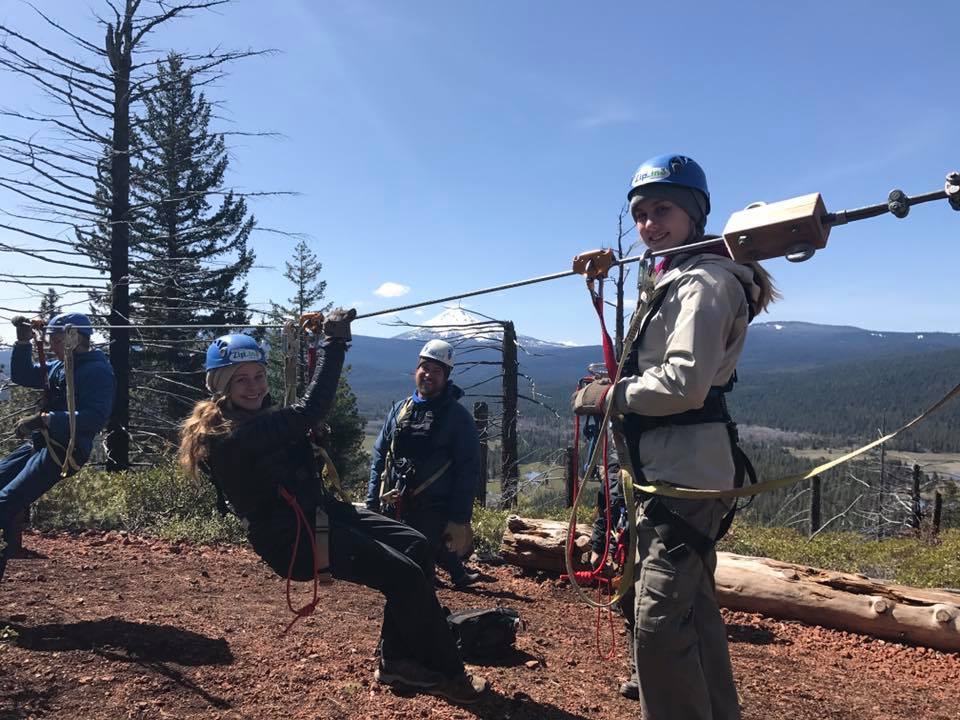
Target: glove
336, 326
591, 399
24, 329
459, 537
30, 423
594, 558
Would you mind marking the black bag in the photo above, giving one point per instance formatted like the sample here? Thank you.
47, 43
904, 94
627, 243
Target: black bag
486, 634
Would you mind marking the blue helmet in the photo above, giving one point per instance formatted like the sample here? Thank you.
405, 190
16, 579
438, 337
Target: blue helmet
679, 171
80, 321
233, 349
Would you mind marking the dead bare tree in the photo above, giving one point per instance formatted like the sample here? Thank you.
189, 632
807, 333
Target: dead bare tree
72, 165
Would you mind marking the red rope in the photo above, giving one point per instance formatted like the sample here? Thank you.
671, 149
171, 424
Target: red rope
586, 577
302, 522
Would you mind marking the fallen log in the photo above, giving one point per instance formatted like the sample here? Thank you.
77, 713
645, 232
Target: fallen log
843, 601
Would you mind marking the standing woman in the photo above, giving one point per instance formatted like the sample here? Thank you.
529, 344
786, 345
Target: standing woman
678, 431
262, 463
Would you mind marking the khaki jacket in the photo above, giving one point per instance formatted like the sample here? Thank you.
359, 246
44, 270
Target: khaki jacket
692, 342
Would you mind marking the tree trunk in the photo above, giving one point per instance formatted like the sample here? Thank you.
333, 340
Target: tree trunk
509, 470
481, 414
118, 428
793, 592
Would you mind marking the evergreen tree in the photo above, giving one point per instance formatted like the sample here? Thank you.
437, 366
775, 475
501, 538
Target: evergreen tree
50, 305
189, 250
346, 424
303, 270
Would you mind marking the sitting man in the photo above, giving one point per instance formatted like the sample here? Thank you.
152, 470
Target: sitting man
30, 470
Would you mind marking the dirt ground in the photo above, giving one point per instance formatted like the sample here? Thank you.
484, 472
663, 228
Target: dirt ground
116, 626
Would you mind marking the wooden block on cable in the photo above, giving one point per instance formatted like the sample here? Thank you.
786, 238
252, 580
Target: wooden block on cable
787, 227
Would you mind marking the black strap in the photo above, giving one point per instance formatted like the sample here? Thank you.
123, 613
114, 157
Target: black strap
676, 534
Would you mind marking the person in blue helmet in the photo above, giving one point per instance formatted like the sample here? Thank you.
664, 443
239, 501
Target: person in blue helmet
263, 464
30, 470
677, 430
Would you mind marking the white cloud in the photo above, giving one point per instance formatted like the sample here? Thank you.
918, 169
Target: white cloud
419, 311
391, 289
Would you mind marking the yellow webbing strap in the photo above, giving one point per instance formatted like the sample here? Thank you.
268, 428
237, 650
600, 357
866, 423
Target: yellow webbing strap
692, 494
329, 473
431, 480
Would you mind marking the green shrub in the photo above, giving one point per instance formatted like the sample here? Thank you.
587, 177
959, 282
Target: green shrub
489, 525
160, 500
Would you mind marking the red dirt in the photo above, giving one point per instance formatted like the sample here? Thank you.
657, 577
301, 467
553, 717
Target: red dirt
115, 626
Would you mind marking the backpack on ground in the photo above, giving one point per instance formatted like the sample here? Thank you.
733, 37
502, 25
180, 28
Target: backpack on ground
486, 634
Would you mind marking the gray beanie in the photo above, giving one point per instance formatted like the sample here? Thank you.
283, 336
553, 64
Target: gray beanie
218, 380
688, 199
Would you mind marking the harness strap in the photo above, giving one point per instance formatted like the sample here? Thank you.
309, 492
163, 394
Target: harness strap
385, 475
430, 480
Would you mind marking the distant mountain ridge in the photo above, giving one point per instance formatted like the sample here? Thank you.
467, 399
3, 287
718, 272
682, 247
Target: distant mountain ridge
457, 323
793, 375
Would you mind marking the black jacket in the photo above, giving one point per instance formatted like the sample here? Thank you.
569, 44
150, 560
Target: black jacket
267, 449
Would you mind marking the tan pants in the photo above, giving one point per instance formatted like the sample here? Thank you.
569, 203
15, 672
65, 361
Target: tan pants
682, 658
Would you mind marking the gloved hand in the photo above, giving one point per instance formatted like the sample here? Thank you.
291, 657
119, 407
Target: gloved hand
24, 330
29, 424
336, 325
594, 558
459, 537
592, 398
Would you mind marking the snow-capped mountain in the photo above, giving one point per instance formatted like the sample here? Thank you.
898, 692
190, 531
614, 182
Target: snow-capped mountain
457, 324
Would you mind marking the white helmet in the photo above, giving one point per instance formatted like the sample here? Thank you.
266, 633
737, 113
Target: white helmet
440, 351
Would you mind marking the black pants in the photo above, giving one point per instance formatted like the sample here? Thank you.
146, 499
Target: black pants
373, 550
431, 523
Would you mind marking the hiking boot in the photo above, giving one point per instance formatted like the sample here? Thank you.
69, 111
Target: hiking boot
466, 580
407, 673
630, 689
463, 689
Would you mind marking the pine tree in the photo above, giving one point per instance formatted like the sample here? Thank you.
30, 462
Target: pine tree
303, 270
346, 423
189, 250
50, 305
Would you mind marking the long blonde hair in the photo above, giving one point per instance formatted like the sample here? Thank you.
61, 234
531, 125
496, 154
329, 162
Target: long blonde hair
768, 291
205, 422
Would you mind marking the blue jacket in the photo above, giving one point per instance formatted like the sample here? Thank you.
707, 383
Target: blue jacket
452, 437
94, 384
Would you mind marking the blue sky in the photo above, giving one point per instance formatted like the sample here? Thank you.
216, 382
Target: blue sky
445, 146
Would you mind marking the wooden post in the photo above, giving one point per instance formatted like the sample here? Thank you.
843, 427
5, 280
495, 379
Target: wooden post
916, 515
569, 475
481, 414
508, 438
815, 517
937, 512
880, 480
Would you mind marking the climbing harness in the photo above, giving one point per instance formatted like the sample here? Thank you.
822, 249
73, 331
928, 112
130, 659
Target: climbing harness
54, 448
